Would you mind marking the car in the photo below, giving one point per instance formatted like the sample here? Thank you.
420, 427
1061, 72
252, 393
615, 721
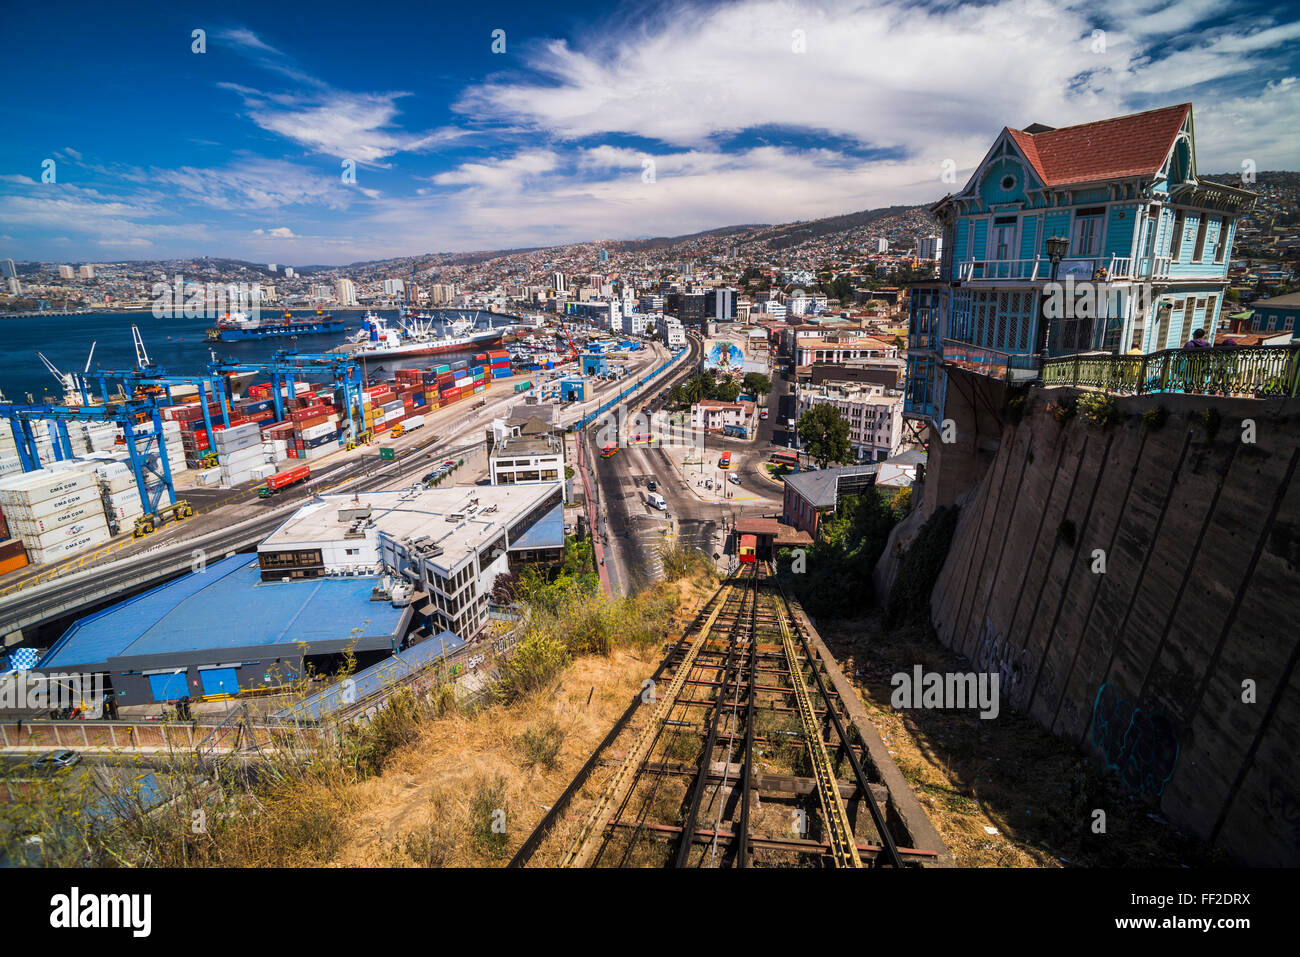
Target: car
432, 476
568, 528
733, 479
56, 760
651, 486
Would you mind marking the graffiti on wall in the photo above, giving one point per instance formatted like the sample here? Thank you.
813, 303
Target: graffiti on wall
1140, 746
995, 654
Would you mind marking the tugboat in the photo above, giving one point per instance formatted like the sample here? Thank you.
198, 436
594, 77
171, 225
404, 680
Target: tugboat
239, 326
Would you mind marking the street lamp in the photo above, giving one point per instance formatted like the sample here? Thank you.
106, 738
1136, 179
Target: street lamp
1056, 246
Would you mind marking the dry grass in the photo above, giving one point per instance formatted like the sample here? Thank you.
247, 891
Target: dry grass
1036, 790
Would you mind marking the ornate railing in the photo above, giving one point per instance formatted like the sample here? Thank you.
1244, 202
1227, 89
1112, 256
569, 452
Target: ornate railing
1253, 371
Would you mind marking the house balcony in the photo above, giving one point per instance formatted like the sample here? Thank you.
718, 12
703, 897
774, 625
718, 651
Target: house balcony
1039, 269
1009, 366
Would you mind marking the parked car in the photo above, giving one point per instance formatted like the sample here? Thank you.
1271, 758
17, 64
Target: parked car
56, 760
568, 528
651, 486
733, 479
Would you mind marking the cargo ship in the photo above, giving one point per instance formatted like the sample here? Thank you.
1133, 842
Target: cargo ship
239, 326
415, 336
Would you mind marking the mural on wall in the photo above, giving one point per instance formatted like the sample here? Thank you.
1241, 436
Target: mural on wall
1140, 746
724, 357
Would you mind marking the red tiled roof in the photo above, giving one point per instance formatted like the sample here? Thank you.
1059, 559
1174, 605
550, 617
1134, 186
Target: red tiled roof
1133, 145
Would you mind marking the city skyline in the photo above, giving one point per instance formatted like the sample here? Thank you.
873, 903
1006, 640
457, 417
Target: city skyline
656, 120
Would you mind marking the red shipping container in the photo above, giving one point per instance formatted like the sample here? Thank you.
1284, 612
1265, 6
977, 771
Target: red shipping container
311, 412
293, 453
383, 427
300, 424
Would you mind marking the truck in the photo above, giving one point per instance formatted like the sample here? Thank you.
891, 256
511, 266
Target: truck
655, 500
282, 480
413, 422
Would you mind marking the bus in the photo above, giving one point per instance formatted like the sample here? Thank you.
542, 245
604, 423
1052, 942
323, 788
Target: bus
641, 438
788, 459
608, 451
725, 461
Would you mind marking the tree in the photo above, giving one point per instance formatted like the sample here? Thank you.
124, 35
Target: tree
757, 384
727, 391
825, 434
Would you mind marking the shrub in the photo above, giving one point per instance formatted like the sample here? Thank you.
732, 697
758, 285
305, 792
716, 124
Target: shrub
1209, 420
541, 746
535, 661
1098, 408
909, 598
488, 814
1155, 418
1061, 411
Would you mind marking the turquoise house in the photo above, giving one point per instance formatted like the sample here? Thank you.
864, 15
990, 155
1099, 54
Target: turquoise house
1096, 237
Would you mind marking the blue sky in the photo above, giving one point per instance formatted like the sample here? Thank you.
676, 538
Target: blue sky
749, 111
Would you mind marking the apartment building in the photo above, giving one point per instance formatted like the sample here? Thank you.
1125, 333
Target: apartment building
875, 418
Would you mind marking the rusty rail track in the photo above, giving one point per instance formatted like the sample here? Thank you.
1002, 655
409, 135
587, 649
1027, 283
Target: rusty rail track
740, 754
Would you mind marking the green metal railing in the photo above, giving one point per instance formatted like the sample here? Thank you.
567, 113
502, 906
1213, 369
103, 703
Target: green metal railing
1253, 371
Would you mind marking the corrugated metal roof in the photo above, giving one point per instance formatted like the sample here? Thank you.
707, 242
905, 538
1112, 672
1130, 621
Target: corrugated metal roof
375, 678
227, 606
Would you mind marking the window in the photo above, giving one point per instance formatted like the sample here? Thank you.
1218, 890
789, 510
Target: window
1221, 240
1008, 183
1087, 232
1152, 225
1004, 236
1176, 247
1198, 253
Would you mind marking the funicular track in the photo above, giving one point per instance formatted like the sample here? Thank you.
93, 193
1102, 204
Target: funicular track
738, 753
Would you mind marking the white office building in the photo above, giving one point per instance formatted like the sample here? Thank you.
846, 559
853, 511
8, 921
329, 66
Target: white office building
346, 291
875, 418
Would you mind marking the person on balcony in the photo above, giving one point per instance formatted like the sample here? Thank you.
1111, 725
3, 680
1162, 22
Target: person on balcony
1198, 340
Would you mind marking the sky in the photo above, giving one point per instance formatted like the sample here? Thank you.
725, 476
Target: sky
331, 133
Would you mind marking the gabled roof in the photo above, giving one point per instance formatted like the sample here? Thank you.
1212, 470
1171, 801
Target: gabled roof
1134, 145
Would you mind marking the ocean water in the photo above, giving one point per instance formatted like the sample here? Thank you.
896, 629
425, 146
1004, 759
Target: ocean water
179, 346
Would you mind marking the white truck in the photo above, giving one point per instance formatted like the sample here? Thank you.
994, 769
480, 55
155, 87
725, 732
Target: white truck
656, 500
413, 422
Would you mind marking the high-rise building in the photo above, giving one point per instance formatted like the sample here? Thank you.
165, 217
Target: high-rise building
65, 272
560, 283
13, 285
87, 271
7, 269
929, 247
720, 304
346, 291
289, 273
270, 267
604, 255
882, 245
322, 291
394, 287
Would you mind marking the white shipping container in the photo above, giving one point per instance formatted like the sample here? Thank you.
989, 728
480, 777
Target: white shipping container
39, 526
242, 459
51, 506
40, 485
62, 550
66, 533
318, 431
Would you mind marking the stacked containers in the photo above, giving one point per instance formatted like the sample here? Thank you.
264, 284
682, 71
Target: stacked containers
315, 430
499, 364
239, 451
55, 512
118, 495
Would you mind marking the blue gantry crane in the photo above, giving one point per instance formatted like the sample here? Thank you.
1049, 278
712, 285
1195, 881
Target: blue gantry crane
286, 368
141, 426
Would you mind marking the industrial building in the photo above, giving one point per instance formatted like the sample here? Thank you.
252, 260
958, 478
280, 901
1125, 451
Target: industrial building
223, 630
523, 459
451, 544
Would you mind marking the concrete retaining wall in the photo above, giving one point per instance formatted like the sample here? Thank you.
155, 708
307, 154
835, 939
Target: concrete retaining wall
1144, 665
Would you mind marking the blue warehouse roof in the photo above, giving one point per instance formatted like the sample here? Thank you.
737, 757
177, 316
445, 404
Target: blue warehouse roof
228, 606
